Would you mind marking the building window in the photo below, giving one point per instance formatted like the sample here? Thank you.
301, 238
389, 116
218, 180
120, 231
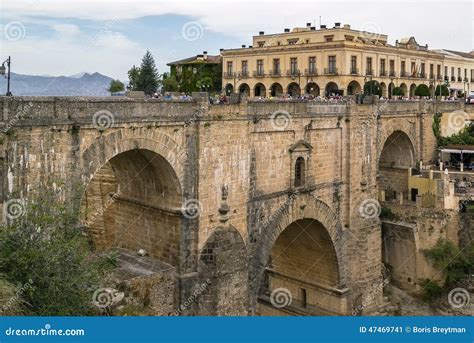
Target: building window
276, 66
299, 172
413, 69
422, 74
392, 68
438, 71
382, 67
368, 70
259, 67
432, 76
332, 64
403, 68
294, 66
229, 68
261, 44
354, 65
312, 65
245, 68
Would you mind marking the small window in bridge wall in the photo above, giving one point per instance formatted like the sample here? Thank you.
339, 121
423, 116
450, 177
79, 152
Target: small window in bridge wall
299, 172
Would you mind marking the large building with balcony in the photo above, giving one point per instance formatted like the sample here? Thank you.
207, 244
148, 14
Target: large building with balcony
340, 60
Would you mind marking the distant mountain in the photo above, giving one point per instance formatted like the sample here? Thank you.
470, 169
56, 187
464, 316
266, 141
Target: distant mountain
82, 84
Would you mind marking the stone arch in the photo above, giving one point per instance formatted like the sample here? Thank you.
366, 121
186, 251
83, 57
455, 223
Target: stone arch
404, 88
276, 89
397, 155
331, 88
412, 89
302, 206
391, 86
133, 195
223, 271
244, 89
353, 88
294, 89
383, 86
313, 89
228, 89
390, 138
260, 90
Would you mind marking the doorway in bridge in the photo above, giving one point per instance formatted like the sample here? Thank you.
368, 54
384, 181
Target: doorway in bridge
130, 204
302, 274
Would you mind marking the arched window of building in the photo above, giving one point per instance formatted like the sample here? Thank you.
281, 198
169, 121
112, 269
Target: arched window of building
299, 172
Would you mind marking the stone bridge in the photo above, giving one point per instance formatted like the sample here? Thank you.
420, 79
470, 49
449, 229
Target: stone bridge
232, 203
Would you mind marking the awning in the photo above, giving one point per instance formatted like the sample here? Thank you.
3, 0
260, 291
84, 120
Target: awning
457, 151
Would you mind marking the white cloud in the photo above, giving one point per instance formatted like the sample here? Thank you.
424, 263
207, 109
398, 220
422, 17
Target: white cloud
68, 30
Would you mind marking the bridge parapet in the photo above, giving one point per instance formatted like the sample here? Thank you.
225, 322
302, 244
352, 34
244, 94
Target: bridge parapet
83, 109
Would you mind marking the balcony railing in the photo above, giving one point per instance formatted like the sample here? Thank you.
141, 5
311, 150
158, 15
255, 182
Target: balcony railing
293, 72
453, 78
432, 76
369, 72
244, 73
258, 73
459, 78
472, 79
439, 77
354, 71
330, 71
446, 78
228, 74
275, 72
422, 75
383, 73
392, 74
466, 79
311, 72
403, 74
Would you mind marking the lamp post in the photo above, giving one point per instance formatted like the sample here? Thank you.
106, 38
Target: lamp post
3, 72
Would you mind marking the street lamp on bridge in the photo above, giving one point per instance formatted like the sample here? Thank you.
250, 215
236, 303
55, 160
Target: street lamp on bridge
3, 71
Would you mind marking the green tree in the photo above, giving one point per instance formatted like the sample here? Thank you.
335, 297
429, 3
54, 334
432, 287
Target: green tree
397, 91
372, 88
46, 249
170, 84
148, 80
116, 86
133, 76
442, 90
422, 90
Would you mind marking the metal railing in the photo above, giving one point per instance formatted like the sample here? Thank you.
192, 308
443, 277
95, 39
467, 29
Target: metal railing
330, 71
311, 72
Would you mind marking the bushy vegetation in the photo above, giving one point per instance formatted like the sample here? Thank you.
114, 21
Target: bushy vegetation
46, 249
463, 137
422, 90
456, 264
145, 78
431, 290
373, 88
397, 91
442, 90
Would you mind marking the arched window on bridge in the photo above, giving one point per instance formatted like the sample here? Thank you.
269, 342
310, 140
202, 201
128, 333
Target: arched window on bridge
299, 172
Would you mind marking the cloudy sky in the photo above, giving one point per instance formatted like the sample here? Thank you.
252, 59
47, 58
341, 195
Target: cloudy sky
65, 37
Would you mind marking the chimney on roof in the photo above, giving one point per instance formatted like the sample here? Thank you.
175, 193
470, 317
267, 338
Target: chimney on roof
308, 24
323, 26
243, 45
261, 33
337, 24
221, 49
204, 54
287, 30
313, 28
250, 46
